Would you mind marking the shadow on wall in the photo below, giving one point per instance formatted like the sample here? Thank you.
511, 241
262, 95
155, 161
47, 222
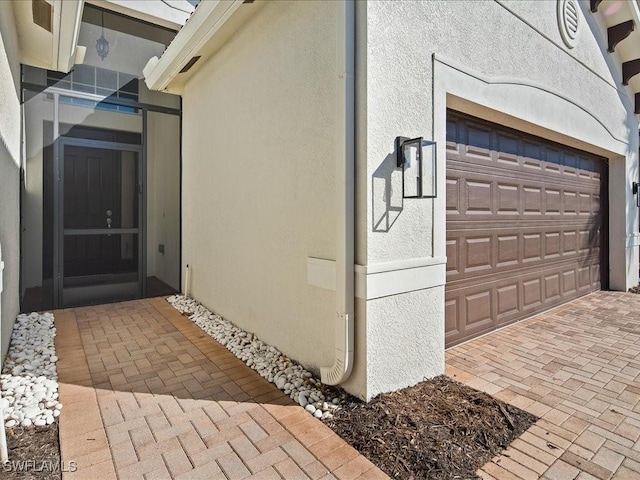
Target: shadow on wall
9, 231
387, 195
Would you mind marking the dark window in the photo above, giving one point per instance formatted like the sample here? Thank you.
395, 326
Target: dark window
96, 81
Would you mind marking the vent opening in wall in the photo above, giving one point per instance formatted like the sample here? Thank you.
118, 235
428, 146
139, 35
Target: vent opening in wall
42, 14
568, 21
190, 64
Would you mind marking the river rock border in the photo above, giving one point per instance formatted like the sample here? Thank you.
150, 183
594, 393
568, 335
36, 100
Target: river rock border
300, 385
29, 382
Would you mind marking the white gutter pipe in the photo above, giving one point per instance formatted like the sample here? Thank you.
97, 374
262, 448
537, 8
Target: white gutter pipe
345, 186
4, 455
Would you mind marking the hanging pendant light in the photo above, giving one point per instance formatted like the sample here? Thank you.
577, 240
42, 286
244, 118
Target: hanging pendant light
102, 44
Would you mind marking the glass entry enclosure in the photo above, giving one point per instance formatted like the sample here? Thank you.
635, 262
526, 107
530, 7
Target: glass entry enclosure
99, 254
101, 199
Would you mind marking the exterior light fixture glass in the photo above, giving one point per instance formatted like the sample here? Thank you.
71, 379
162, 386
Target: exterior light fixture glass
417, 158
102, 44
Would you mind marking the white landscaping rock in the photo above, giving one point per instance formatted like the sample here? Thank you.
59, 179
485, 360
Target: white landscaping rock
268, 361
29, 382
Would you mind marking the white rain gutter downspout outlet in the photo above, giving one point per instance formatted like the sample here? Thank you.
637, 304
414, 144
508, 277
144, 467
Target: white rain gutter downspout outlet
345, 186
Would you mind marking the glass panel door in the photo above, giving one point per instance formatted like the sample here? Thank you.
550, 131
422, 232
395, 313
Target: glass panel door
100, 210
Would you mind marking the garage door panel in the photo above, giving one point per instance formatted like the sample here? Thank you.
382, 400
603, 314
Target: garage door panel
507, 150
478, 197
532, 293
474, 252
532, 200
452, 316
532, 155
508, 249
508, 198
458, 169
595, 277
553, 204
569, 283
570, 242
477, 254
552, 245
532, 248
523, 226
478, 309
552, 290
477, 138
508, 300
453, 196
570, 202
458, 161
584, 277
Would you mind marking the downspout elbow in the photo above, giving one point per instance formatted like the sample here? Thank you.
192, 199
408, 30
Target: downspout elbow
343, 362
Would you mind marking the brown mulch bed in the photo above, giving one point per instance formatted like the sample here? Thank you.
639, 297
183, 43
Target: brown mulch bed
437, 429
34, 453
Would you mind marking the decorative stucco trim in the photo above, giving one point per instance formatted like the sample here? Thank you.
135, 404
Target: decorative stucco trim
383, 279
521, 82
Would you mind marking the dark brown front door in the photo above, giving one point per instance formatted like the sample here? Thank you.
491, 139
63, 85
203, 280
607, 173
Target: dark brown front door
92, 196
101, 257
526, 226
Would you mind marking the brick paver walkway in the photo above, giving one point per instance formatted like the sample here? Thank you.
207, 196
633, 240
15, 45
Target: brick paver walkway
578, 368
147, 394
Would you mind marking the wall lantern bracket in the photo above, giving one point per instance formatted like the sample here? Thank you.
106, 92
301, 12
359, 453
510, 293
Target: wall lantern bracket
417, 158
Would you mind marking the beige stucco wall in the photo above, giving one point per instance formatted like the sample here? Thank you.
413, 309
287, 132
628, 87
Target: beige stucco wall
259, 141
10, 160
258, 177
504, 61
163, 197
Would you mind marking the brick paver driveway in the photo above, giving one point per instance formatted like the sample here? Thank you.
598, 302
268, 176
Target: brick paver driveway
578, 368
148, 395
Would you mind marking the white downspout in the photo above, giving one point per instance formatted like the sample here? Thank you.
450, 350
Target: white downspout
4, 455
345, 186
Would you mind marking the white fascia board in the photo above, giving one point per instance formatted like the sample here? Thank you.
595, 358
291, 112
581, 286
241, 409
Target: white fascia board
207, 19
171, 14
635, 13
67, 18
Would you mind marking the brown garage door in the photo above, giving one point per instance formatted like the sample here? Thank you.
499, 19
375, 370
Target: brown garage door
526, 226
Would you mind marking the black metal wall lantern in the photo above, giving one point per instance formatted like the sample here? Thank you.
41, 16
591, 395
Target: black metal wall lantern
634, 189
417, 158
102, 44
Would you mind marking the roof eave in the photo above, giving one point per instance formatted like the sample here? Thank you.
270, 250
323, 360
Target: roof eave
66, 29
203, 25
